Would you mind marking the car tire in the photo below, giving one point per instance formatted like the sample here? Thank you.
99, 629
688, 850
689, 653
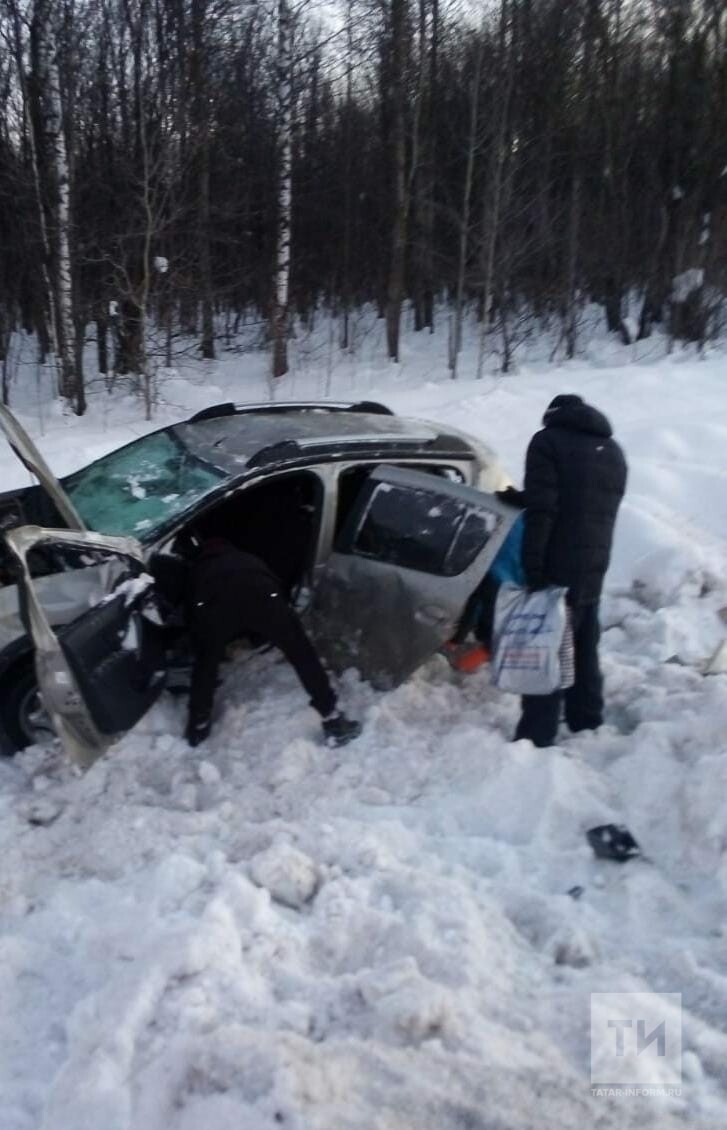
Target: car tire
18, 703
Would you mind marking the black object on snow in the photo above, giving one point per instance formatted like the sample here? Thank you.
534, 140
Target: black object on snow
339, 730
613, 841
576, 892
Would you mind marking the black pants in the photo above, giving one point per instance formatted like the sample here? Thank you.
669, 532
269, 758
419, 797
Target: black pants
479, 614
583, 701
270, 618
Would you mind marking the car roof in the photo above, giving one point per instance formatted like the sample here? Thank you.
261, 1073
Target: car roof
234, 442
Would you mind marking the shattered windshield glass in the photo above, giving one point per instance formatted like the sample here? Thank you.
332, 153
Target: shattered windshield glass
137, 489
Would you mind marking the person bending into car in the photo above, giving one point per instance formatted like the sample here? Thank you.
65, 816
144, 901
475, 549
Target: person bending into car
575, 478
232, 594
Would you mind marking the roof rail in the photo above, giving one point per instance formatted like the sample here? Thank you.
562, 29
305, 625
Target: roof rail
217, 411
291, 449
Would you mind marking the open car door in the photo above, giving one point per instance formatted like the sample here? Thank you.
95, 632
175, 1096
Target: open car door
410, 554
31, 458
100, 671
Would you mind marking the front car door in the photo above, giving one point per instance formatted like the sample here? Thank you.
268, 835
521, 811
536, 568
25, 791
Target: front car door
103, 668
410, 554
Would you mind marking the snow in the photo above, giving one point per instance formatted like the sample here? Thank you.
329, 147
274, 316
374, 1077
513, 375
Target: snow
266, 932
131, 589
290, 876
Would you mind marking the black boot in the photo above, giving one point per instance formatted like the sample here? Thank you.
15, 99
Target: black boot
197, 730
339, 729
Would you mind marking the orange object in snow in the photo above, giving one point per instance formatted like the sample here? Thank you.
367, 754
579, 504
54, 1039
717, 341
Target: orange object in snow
466, 658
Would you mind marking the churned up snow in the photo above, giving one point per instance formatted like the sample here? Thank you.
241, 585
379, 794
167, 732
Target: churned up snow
402, 934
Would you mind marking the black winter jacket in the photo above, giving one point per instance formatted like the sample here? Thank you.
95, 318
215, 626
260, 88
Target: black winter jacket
575, 478
228, 592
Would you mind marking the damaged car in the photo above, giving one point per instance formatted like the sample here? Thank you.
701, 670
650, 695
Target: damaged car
380, 528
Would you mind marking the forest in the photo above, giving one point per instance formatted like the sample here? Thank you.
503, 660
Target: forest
172, 169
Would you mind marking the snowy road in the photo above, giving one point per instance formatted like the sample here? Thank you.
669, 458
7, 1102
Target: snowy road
420, 965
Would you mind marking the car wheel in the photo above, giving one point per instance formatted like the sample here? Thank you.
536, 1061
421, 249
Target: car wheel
22, 715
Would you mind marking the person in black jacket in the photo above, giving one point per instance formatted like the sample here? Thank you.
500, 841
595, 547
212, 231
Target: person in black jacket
575, 478
231, 594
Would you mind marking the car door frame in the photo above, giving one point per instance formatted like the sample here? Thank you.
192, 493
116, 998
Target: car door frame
331, 474
320, 471
31, 458
80, 736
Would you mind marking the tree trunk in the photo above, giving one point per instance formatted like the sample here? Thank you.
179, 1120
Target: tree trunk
130, 357
199, 80
348, 188
4, 350
279, 319
658, 284
79, 340
424, 275
102, 344
395, 289
70, 382
464, 225
571, 306
613, 303
33, 113
492, 199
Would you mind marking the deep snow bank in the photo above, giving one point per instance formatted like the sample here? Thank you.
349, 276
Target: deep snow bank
265, 932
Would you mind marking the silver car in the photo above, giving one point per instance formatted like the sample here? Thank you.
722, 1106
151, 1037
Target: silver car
380, 528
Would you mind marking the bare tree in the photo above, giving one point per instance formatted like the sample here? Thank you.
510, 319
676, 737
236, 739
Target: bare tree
492, 196
455, 337
395, 290
71, 385
425, 183
279, 318
199, 67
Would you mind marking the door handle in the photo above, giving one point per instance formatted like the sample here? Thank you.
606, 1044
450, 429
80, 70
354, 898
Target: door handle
434, 613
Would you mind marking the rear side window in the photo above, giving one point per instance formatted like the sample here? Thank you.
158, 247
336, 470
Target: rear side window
475, 530
422, 530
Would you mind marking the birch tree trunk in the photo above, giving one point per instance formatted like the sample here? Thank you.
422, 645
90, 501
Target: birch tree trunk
48, 304
348, 188
61, 178
279, 318
54, 176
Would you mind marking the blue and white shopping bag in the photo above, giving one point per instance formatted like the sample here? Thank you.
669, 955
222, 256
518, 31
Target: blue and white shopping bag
532, 641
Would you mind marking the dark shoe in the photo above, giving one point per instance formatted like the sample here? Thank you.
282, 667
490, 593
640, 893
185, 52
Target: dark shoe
339, 730
197, 731
613, 841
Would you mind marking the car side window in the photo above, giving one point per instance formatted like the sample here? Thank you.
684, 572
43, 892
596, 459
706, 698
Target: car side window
418, 529
474, 532
353, 479
408, 527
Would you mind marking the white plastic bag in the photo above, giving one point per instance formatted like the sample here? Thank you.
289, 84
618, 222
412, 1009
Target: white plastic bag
528, 635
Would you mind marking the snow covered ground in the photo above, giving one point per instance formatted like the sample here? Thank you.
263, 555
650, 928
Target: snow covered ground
264, 932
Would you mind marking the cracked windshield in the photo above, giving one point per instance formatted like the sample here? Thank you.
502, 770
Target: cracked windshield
136, 490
